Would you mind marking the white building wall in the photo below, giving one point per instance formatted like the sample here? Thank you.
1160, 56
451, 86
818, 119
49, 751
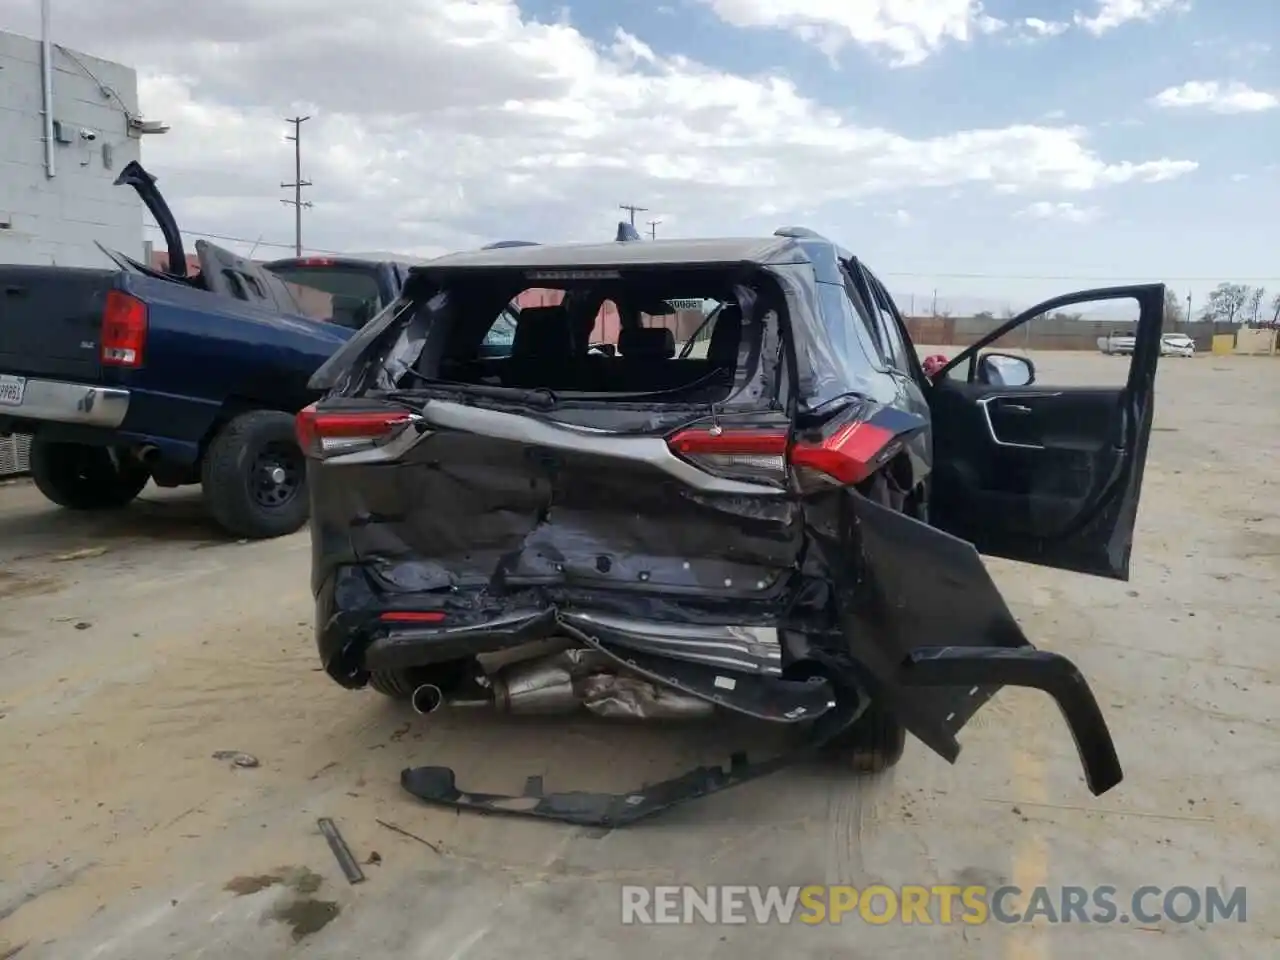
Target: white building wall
55, 220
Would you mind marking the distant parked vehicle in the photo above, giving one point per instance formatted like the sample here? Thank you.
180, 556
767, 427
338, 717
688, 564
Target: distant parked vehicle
1177, 345
130, 375
1116, 343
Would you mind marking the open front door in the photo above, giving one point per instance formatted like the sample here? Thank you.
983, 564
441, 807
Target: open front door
1030, 465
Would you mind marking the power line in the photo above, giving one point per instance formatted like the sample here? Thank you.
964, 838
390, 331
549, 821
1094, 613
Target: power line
298, 182
250, 240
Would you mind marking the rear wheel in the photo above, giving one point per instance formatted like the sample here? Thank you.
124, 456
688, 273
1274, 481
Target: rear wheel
81, 477
400, 684
396, 684
254, 476
874, 743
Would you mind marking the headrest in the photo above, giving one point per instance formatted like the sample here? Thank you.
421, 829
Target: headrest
654, 343
725, 336
543, 332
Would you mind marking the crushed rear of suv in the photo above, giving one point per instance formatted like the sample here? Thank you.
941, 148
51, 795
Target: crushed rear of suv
650, 535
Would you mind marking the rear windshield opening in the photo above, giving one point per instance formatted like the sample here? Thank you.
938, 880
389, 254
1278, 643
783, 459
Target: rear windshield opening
670, 332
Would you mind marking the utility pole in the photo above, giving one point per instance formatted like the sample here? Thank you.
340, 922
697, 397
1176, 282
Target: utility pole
633, 210
1188, 306
298, 182
653, 229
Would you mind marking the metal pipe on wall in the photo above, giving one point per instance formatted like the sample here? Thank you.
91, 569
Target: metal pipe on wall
46, 85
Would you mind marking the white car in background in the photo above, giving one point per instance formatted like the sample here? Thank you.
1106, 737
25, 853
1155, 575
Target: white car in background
1171, 344
1115, 343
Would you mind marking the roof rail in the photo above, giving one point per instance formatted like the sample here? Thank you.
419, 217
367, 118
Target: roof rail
503, 244
798, 233
626, 232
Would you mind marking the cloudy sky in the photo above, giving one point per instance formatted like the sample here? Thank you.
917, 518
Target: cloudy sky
1011, 149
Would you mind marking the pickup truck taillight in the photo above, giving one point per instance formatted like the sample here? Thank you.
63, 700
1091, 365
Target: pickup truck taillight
324, 434
124, 330
850, 454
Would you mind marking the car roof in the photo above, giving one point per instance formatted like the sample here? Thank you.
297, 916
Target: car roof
651, 253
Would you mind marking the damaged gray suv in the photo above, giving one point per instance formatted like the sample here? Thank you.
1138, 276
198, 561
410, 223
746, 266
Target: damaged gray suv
785, 524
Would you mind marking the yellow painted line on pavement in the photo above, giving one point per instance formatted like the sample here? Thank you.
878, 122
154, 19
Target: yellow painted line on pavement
1030, 860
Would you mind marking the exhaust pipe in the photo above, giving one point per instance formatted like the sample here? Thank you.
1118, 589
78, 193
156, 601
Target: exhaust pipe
429, 698
566, 683
426, 699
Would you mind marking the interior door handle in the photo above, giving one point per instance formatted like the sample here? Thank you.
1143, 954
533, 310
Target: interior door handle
1021, 409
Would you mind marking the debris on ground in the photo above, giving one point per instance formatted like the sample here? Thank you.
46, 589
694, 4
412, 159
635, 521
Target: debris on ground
237, 758
83, 554
346, 859
412, 836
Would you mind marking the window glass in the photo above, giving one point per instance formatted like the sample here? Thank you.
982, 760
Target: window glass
864, 323
895, 347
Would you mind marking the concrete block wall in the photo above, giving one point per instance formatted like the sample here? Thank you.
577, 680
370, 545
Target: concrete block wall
56, 220
1039, 334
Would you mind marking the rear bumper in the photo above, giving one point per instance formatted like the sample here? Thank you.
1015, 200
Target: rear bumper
60, 401
1042, 670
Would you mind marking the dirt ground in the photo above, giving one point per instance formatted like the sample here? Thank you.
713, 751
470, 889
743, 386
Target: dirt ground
136, 646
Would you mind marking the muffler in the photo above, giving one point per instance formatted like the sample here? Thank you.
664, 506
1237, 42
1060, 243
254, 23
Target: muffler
566, 682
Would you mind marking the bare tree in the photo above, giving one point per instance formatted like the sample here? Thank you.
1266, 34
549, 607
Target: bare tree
1275, 311
1173, 311
1227, 303
1255, 304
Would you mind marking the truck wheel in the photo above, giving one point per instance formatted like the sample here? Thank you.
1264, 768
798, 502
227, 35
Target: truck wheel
874, 743
255, 478
80, 477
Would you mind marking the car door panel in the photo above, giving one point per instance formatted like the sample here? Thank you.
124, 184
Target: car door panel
1045, 474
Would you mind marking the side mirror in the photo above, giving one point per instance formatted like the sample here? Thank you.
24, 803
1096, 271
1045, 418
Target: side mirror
1005, 370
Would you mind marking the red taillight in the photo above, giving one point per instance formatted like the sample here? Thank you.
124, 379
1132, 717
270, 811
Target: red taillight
412, 616
751, 455
124, 330
329, 433
848, 455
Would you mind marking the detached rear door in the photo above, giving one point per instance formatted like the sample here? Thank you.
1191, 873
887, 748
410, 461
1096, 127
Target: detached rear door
1047, 474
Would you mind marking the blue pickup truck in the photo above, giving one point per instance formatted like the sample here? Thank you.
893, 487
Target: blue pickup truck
128, 375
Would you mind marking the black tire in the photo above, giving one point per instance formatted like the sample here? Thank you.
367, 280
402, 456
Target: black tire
255, 477
450, 675
81, 477
874, 743
396, 684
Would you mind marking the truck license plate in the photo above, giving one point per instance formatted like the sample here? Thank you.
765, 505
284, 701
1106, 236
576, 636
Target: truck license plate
11, 390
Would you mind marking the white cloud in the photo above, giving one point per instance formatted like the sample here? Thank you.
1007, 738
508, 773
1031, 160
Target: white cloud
1045, 210
1233, 97
1045, 28
1111, 14
470, 123
908, 31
